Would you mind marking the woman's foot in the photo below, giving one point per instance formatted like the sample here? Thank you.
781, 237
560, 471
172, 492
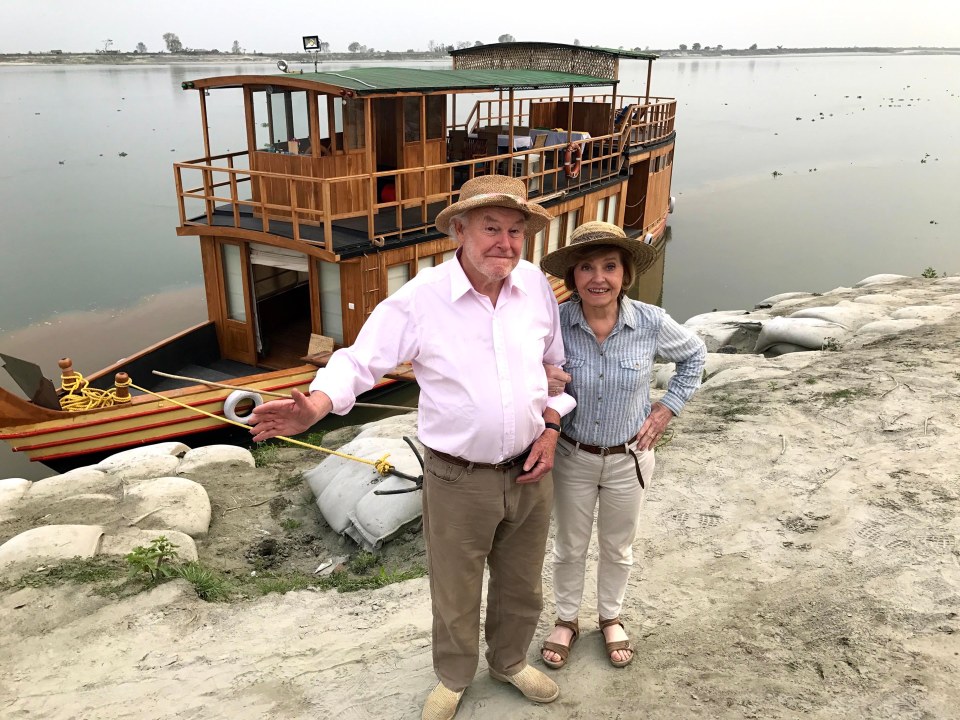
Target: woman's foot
617, 642
556, 648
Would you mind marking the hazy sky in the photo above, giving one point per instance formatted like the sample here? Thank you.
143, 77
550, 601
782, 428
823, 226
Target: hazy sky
277, 25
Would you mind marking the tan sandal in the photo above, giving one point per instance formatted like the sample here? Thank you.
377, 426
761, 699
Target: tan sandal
615, 645
562, 650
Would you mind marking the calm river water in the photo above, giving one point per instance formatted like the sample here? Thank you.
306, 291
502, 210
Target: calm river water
867, 147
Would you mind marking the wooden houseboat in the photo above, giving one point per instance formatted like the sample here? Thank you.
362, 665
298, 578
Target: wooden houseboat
330, 207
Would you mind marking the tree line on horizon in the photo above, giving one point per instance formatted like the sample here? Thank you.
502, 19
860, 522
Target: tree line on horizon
173, 45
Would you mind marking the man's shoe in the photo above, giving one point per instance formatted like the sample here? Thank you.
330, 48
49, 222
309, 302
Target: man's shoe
441, 704
532, 683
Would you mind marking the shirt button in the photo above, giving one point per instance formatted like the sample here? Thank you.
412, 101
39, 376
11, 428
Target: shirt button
601, 375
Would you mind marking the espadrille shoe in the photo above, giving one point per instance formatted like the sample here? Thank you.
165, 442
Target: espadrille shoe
441, 704
532, 683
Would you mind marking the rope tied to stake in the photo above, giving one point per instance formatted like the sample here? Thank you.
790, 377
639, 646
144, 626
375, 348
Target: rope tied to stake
380, 465
78, 395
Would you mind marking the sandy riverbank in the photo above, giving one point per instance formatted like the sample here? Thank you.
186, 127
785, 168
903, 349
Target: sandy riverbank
799, 556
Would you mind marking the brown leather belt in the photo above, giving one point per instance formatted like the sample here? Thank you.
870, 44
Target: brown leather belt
596, 450
462, 462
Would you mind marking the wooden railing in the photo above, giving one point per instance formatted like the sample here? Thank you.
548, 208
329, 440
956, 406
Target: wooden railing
223, 185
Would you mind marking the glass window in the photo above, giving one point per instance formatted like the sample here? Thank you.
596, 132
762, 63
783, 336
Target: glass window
397, 276
612, 209
331, 314
553, 241
450, 255
602, 209
233, 282
538, 247
436, 108
411, 119
353, 124
571, 225
425, 262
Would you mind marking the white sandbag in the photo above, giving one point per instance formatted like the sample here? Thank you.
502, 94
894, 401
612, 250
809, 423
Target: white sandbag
889, 327
371, 447
952, 280
123, 541
883, 299
379, 518
848, 315
880, 280
927, 313
808, 333
11, 490
49, 543
142, 467
351, 482
728, 328
395, 427
202, 458
124, 457
749, 374
79, 481
774, 299
169, 502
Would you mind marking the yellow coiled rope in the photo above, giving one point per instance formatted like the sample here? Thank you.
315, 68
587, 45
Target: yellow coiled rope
78, 395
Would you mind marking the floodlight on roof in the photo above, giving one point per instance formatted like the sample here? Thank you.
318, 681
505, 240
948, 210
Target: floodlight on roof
311, 42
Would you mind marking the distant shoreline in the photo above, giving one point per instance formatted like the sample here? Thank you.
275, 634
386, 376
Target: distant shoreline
111, 58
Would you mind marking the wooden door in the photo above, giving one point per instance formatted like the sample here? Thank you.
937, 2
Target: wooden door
237, 319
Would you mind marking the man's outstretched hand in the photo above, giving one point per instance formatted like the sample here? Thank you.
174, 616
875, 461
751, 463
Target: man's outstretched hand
288, 417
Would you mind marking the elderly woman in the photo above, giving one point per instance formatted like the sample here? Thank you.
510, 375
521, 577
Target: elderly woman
605, 450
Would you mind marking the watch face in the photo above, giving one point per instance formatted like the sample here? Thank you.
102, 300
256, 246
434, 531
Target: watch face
311, 42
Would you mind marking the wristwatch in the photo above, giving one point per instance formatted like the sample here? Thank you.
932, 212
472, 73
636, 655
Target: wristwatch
551, 426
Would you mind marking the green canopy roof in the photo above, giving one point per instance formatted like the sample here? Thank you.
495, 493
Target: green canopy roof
389, 80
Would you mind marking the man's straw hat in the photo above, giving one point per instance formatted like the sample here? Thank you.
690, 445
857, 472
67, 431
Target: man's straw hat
595, 234
495, 191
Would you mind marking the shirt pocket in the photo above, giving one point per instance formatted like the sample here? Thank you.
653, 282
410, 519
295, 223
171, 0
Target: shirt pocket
634, 373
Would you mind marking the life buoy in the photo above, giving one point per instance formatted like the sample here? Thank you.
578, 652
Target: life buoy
234, 399
572, 160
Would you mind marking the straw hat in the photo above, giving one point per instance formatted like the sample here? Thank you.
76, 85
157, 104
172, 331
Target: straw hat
495, 191
598, 233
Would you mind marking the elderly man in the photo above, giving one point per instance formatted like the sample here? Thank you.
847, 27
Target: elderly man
477, 329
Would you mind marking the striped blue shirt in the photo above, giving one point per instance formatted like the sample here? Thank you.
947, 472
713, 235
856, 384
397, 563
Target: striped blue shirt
611, 382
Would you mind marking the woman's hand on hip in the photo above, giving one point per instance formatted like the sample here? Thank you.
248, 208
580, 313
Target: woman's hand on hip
654, 426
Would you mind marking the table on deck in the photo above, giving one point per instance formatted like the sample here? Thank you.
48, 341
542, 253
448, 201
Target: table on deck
520, 142
559, 137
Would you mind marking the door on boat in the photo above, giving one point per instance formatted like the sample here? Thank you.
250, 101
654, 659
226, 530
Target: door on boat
282, 307
237, 334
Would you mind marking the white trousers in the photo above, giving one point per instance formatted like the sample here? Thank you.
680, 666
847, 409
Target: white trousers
580, 479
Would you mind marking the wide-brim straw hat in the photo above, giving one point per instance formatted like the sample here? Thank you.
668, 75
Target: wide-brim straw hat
495, 191
598, 233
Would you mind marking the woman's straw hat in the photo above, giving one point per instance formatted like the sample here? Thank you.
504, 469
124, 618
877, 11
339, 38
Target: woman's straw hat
598, 233
495, 191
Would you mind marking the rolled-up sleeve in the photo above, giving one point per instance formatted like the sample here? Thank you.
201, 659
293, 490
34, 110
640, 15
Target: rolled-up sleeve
681, 346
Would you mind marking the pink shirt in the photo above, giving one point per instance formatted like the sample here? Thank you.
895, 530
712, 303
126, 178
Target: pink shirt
483, 389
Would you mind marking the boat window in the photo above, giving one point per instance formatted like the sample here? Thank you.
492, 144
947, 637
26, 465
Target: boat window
281, 121
411, 119
553, 239
397, 276
537, 247
349, 119
331, 313
612, 209
426, 262
602, 209
449, 255
572, 218
436, 108
233, 282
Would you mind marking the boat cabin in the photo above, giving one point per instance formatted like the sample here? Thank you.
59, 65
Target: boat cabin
330, 206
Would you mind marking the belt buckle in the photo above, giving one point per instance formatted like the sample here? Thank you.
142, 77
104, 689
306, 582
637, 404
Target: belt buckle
604, 451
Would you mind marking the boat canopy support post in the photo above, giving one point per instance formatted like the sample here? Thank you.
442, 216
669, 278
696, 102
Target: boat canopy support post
570, 117
646, 100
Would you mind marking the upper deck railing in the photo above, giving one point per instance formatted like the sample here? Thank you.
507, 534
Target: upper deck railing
223, 191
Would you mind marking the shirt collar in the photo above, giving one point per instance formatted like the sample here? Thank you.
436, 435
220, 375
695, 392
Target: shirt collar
627, 316
460, 283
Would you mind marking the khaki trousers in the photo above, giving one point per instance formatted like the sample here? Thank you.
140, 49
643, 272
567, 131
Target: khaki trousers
580, 480
472, 517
